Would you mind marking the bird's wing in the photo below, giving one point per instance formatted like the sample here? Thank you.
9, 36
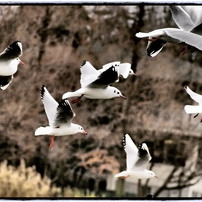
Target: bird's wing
5, 81
195, 96
108, 65
186, 37
155, 47
182, 18
195, 13
105, 78
131, 152
143, 157
50, 105
12, 51
88, 74
64, 113
191, 109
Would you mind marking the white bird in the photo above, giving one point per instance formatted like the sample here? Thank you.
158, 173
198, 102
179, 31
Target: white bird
95, 85
136, 160
9, 61
59, 117
123, 69
188, 32
193, 109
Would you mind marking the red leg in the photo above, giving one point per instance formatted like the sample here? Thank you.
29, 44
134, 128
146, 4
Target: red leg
196, 115
76, 100
52, 141
153, 39
183, 50
124, 177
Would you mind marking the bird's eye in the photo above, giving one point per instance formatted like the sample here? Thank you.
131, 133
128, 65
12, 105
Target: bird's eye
114, 91
117, 92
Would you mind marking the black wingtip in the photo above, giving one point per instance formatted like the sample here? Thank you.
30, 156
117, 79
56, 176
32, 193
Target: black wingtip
150, 196
83, 63
140, 146
63, 103
124, 141
142, 151
42, 91
15, 46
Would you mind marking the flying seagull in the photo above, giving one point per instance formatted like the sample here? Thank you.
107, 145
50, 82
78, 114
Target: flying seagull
95, 85
9, 61
136, 160
189, 32
59, 116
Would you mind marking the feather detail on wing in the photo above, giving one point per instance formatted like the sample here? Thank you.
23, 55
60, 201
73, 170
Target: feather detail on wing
189, 38
88, 74
131, 152
105, 78
143, 156
64, 113
50, 105
182, 18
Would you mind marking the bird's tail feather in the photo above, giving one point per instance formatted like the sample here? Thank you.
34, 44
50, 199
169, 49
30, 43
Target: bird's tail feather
121, 174
191, 109
67, 95
43, 131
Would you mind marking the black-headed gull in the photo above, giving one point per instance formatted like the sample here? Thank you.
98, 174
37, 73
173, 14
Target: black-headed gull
9, 61
189, 32
136, 160
193, 109
123, 69
59, 117
95, 85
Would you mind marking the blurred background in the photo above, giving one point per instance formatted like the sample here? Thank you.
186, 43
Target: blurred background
56, 40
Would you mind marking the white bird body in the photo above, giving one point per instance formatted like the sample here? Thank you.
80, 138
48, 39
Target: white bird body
93, 93
193, 109
135, 174
63, 130
59, 117
95, 85
136, 160
9, 67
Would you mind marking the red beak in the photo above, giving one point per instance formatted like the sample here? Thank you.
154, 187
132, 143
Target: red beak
84, 132
122, 96
21, 62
